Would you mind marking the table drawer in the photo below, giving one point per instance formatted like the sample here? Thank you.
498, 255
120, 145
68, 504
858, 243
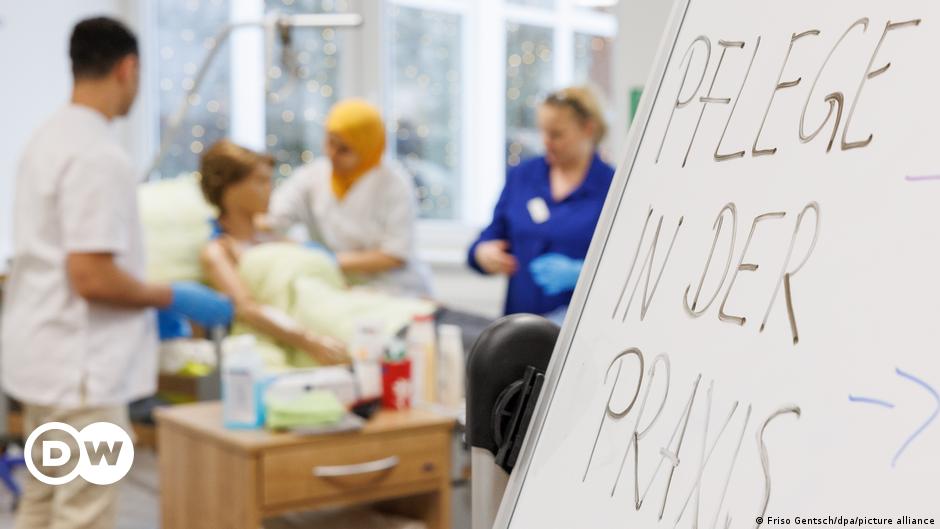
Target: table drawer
361, 465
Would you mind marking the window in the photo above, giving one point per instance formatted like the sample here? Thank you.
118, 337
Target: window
290, 91
593, 66
593, 63
185, 31
529, 74
303, 83
547, 44
425, 119
459, 100
550, 45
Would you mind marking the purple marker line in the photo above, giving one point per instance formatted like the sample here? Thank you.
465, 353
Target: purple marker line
927, 423
922, 178
868, 400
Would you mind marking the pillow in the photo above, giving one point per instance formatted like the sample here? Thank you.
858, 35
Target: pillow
175, 219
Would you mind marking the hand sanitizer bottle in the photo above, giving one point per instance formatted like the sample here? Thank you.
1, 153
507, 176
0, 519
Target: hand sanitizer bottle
242, 372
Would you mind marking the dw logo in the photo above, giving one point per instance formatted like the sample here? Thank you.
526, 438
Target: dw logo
106, 453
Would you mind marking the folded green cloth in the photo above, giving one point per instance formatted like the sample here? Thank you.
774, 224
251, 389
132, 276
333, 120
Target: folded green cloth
313, 408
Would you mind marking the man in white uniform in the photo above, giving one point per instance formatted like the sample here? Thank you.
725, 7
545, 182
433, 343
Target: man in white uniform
79, 332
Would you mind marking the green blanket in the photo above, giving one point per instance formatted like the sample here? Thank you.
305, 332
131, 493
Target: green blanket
307, 286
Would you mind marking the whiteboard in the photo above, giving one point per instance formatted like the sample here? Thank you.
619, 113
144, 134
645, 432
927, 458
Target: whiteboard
757, 330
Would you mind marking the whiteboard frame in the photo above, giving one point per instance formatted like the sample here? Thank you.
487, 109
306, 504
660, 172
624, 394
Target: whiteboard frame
586, 281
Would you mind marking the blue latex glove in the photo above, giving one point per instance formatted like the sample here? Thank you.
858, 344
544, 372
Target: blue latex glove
171, 325
555, 273
201, 304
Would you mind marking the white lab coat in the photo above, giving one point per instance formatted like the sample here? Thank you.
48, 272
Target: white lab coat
76, 191
377, 213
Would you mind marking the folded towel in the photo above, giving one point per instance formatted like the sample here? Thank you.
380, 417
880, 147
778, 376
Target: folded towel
312, 408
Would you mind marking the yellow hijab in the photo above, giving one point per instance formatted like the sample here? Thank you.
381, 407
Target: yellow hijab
360, 126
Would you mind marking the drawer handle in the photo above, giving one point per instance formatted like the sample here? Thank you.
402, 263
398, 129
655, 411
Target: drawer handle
360, 468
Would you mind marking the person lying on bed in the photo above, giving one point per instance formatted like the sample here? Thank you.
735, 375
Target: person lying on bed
237, 181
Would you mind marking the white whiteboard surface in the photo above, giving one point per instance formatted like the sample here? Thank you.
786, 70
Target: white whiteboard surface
842, 422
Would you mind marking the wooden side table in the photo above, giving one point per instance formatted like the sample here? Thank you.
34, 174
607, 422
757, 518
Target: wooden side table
214, 478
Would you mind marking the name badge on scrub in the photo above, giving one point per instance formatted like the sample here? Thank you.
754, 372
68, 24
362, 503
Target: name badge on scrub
538, 210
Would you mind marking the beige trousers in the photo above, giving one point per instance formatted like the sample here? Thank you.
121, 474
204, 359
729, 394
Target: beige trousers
77, 504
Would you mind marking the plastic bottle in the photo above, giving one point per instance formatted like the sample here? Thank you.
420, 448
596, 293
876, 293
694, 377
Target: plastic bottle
368, 340
242, 372
422, 351
452, 366
366, 348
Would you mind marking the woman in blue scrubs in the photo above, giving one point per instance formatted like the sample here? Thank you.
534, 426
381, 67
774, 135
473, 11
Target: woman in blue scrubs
545, 217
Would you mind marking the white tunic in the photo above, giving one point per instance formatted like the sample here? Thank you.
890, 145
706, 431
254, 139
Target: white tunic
75, 192
377, 213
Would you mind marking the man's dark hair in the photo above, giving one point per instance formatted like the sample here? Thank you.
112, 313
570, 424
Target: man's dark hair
96, 46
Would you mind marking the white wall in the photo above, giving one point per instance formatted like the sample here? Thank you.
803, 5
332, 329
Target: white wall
641, 24
459, 287
34, 54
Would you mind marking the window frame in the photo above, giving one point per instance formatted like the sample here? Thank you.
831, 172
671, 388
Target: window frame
365, 72
483, 173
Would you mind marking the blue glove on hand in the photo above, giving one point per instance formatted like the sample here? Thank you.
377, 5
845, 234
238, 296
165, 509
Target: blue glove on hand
555, 273
171, 325
201, 304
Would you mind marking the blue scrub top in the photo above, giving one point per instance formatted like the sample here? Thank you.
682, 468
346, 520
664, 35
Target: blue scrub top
567, 231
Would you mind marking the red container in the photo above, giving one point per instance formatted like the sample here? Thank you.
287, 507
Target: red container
396, 385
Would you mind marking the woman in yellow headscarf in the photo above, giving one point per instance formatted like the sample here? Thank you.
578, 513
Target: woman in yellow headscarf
356, 205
